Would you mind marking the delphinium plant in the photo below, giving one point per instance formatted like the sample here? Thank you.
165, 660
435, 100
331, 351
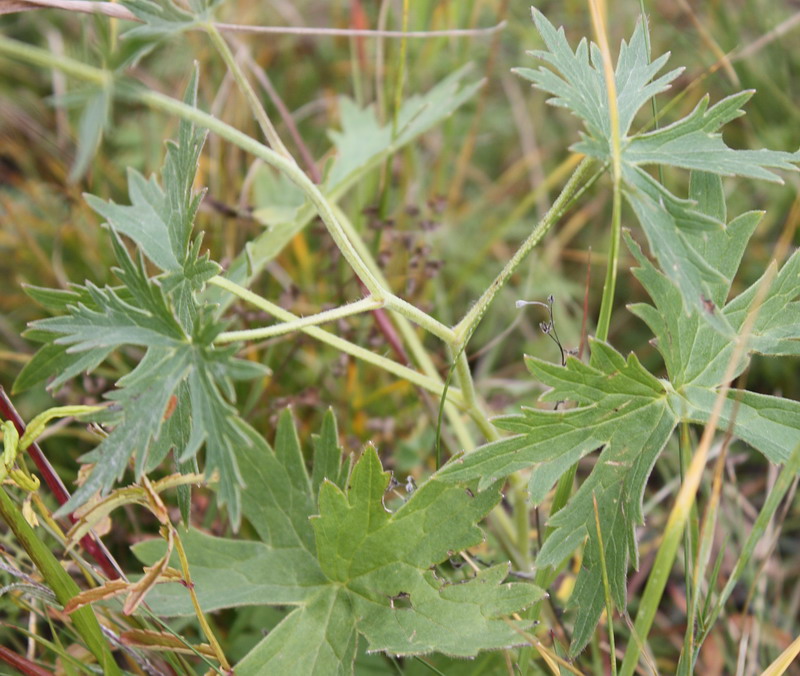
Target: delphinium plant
351, 558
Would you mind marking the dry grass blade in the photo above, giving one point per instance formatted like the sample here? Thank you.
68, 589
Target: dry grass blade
155, 640
785, 660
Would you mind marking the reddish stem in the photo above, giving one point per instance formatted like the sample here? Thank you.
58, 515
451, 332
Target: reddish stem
94, 547
22, 664
386, 327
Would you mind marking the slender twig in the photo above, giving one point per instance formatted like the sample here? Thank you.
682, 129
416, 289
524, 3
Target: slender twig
246, 88
119, 12
571, 191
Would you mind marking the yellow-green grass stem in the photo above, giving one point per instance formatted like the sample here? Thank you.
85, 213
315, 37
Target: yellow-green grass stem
64, 587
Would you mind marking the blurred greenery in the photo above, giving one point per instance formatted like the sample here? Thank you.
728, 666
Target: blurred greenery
442, 217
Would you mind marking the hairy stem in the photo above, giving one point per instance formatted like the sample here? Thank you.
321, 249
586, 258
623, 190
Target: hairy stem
246, 88
412, 376
357, 307
571, 191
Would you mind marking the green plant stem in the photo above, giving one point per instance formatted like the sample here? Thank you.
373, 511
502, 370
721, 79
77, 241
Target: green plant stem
609, 286
519, 500
464, 376
412, 312
268, 129
324, 207
64, 587
201, 618
45, 59
289, 167
408, 333
606, 588
341, 344
357, 307
571, 190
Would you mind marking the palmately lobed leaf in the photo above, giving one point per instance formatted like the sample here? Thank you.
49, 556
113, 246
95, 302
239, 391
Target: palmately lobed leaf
579, 84
181, 367
355, 569
625, 412
673, 226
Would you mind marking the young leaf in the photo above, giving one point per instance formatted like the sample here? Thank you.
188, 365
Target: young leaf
355, 569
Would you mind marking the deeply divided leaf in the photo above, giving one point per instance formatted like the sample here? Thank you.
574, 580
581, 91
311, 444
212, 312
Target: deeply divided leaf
624, 411
575, 80
182, 371
354, 569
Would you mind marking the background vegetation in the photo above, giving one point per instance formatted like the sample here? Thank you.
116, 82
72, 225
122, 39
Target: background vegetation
441, 217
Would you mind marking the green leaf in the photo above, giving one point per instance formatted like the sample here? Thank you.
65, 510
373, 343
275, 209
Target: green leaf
630, 415
693, 352
581, 87
58, 300
276, 199
161, 19
163, 315
694, 277
769, 424
623, 410
93, 122
53, 358
364, 142
354, 569
146, 320
142, 221
576, 81
145, 393
328, 456
693, 143
159, 220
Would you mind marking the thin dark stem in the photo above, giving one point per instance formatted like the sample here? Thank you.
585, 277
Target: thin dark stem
386, 327
263, 79
91, 543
